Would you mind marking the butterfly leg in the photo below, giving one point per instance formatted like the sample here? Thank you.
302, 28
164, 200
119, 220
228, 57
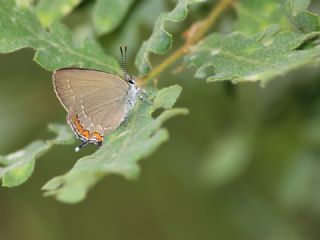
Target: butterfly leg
82, 145
125, 121
143, 95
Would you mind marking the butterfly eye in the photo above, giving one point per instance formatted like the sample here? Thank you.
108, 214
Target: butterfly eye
130, 79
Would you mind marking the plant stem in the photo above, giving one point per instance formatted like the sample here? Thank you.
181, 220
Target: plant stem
166, 63
212, 18
201, 30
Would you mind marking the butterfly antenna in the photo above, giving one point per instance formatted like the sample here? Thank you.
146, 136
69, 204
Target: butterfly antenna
123, 50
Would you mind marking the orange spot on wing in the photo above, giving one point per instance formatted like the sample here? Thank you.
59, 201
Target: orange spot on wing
76, 123
79, 128
85, 133
97, 136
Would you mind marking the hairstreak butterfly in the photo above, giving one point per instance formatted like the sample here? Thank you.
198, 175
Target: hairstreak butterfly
97, 102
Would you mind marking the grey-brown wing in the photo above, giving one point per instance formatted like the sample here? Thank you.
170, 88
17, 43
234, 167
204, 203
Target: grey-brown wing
101, 117
71, 84
97, 98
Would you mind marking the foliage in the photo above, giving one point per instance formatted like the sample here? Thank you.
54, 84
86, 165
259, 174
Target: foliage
269, 39
263, 57
51, 11
160, 40
108, 15
274, 48
56, 49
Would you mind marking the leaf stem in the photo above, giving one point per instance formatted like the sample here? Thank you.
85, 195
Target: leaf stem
166, 63
197, 32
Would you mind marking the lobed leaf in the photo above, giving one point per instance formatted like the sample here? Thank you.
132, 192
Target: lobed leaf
55, 48
121, 151
17, 167
49, 11
108, 14
160, 40
258, 58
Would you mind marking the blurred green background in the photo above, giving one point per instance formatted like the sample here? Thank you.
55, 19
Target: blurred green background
244, 164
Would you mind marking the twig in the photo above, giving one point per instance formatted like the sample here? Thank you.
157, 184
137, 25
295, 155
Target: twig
195, 33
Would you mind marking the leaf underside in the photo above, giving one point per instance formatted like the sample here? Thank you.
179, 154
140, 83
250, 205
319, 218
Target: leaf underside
240, 58
276, 37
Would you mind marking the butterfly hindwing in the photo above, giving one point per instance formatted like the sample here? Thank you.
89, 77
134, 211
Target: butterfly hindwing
95, 100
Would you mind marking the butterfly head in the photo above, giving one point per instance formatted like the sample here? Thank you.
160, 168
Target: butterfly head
130, 79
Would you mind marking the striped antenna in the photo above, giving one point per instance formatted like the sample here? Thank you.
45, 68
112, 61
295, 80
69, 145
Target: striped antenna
123, 50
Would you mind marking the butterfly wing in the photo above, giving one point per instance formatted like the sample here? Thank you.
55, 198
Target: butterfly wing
95, 100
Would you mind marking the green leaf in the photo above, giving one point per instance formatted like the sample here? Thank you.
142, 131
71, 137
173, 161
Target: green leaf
108, 14
130, 30
121, 151
17, 167
256, 15
160, 40
49, 11
54, 49
307, 22
303, 20
239, 58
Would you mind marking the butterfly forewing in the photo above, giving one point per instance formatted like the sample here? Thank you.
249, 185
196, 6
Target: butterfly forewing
95, 99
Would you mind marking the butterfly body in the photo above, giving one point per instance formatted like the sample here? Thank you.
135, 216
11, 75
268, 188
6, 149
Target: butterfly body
131, 98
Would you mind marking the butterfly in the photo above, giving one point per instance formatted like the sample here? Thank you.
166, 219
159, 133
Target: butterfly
96, 102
